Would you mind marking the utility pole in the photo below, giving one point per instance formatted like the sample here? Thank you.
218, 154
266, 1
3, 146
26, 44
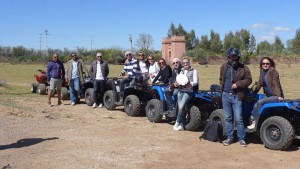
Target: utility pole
91, 43
40, 43
46, 31
130, 40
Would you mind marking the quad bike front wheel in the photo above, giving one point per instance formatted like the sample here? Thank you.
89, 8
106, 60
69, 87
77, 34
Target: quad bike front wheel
218, 115
89, 96
277, 133
33, 87
109, 100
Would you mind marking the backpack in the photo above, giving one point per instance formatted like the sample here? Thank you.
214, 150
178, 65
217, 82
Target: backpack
213, 131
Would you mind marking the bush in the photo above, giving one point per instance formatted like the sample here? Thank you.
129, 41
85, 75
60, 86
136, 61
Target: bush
2, 82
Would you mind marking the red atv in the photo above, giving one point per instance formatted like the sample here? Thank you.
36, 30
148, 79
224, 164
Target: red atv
41, 85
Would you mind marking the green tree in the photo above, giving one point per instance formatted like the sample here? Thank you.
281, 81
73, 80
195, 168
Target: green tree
296, 43
228, 40
264, 48
278, 45
215, 43
252, 44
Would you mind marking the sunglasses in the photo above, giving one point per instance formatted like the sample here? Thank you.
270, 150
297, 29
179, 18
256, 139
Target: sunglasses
73, 55
161, 63
128, 55
150, 59
265, 63
175, 63
185, 62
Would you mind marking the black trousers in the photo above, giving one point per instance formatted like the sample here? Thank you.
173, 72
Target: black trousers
99, 88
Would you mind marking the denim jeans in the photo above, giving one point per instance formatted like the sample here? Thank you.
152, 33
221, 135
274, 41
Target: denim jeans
183, 99
99, 88
233, 107
168, 96
74, 88
261, 102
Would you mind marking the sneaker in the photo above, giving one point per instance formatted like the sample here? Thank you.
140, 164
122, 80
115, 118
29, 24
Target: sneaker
176, 125
73, 103
252, 126
94, 105
243, 143
179, 128
227, 142
100, 105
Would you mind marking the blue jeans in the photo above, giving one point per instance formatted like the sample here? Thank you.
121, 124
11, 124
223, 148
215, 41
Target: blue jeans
168, 96
183, 99
99, 87
126, 81
233, 107
261, 102
74, 89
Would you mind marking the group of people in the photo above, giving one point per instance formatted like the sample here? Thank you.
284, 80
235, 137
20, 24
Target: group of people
235, 77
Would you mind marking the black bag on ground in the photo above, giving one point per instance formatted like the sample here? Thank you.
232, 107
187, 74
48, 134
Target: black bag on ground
212, 131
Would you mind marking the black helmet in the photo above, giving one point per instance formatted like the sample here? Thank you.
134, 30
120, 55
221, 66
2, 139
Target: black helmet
233, 51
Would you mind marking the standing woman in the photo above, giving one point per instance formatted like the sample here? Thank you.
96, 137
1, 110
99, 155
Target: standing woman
153, 68
269, 80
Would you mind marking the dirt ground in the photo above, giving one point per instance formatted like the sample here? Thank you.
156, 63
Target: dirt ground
36, 136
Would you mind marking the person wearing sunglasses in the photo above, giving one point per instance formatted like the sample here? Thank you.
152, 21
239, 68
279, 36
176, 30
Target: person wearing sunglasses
269, 81
153, 67
235, 78
173, 89
143, 65
75, 77
99, 71
164, 73
185, 91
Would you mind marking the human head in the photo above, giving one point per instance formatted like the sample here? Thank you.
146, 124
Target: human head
186, 63
151, 59
128, 55
141, 56
176, 63
266, 63
55, 57
74, 56
99, 56
233, 54
162, 63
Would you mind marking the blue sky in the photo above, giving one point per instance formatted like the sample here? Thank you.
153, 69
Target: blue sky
72, 23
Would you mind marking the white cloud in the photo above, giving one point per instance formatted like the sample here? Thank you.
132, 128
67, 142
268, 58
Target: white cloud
281, 29
270, 37
258, 26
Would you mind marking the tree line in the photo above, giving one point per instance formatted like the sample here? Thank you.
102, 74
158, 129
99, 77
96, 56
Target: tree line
200, 49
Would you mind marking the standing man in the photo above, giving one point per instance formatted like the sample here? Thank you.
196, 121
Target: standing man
55, 74
99, 71
75, 71
235, 78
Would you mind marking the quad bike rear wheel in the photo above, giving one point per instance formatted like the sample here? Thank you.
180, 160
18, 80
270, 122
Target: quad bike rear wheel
109, 100
41, 89
89, 96
193, 118
64, 93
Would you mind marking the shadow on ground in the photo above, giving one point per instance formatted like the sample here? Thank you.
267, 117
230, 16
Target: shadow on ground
26, 142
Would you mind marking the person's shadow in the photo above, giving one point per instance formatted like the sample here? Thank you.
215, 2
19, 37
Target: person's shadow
26, 142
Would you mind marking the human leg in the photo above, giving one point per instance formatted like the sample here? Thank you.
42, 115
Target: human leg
96, 85
58, 88
238, 118
72, 90
101, 92
183, 99
227, 107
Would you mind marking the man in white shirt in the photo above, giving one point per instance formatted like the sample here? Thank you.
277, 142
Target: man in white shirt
99, 71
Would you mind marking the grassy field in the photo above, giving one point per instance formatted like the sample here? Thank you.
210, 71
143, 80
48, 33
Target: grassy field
19, 77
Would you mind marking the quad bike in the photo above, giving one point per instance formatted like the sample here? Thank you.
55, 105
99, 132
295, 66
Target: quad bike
278, 124
202, 103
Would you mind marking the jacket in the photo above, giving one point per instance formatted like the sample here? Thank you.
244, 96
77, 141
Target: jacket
175, 72
82, 71
164, 75
242, 79
272, 78
55, 70
104, 69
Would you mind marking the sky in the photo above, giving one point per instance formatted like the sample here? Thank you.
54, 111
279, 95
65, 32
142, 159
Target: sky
99, 24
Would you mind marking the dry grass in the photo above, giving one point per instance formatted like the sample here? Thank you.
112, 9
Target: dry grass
19, 77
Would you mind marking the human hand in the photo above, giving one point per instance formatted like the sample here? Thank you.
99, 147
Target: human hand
176, 84
280, 99
234, 86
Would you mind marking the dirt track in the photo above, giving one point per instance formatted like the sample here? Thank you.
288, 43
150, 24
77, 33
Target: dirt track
36, 136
